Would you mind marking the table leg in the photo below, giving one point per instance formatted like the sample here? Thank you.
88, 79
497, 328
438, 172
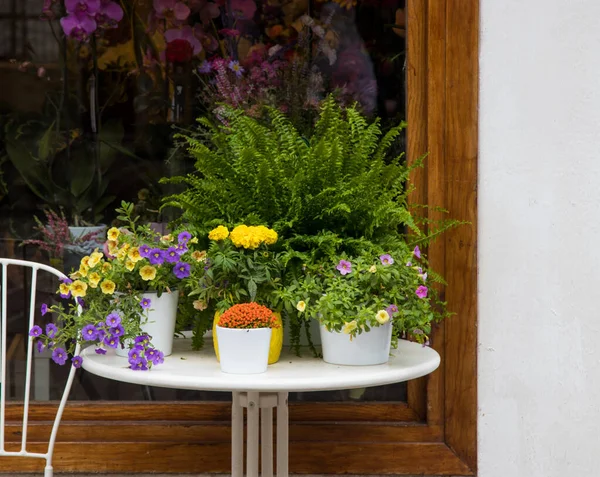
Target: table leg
282, 434
252, 434
237, 436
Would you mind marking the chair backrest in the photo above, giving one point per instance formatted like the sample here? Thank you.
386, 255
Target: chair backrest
35, 267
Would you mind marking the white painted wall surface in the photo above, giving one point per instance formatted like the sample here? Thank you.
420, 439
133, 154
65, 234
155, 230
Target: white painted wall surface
539, 239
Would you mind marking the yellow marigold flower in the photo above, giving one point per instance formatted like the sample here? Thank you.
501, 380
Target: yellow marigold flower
94, 259
134, 254
382, 317
199, 256
64, 289
108, 287
200, 305
271, 237
166, 238
301, 306
78, 288
218, 234
113, 233
106, 267
148, 272
85, 261
349, 327
94, 279
129, 265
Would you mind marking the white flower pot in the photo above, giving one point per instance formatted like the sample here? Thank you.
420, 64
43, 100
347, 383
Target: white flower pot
244, 351
159, 322
369, 348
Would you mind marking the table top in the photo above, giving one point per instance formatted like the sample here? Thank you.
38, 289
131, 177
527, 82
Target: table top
199, 370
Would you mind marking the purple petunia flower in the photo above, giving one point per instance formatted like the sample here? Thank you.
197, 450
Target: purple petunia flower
160, 357
157, 256
144, 251
386, 259
151, 354
101, 334
421, 291
141, 365
409, 264
66, 296
181, 270
44, 309
142, 340
344, 267
111, 341
417, 252
100, 351
172, 255
80, 302
117, 331
205, 67
66, 280
59, 356
145, 303
184, 237
35, 331
51, 330
135, 355
113, 319
89, 333
391, 310
40, 347
181, 248
77, 361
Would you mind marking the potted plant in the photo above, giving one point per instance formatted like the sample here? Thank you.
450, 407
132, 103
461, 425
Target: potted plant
244, 331
365, 303
126, 295
239, 267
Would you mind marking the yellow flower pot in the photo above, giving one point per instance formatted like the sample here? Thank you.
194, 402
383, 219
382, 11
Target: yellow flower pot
276, 338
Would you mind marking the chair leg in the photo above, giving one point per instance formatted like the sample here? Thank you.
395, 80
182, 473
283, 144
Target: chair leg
48, 471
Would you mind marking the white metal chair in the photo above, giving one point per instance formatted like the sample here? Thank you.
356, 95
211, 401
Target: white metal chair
35, 267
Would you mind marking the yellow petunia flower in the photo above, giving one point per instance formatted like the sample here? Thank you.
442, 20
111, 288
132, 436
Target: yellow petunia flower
112, 247
113, 233
78, 288
148, 272
122, 252
200, 305
373, 269
64, 289
134, 254
94, 278
83, 270
85, 261
301, 306
108, 287
75, 275
166, 238
193, 240
106, 267
199, 256
218, 234
94, 259
382, 317
129, 264
349, 327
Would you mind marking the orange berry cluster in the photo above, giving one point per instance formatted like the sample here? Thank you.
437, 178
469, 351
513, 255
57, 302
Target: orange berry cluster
248, 315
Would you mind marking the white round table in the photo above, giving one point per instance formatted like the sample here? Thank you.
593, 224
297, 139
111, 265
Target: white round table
260, 393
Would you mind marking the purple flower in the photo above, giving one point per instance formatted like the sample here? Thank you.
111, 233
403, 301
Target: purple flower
51, 330
59, 356
156, 257
100, 351
77, 361
145, 251
117, 331
141, 365
184, 237
145, 303
66, 280
80, 302
89, 333
40, 347
236, 68
151, 354
421, 291
109, 14
101, 334
111, 341
172, 255
205, 67
409, 264
391, 310
135, 355
160, 358
113, 320
142, 340
78, 26
66, 296
417, 252
344, 267
386, 259
35, 331
84, 7
181, 248
181, 270
177, 9
44, 309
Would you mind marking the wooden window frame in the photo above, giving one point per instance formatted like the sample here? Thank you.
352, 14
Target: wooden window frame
434, 433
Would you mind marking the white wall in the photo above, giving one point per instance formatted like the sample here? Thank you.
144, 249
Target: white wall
539, 239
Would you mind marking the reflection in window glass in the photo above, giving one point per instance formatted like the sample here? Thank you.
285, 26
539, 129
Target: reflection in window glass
91, 100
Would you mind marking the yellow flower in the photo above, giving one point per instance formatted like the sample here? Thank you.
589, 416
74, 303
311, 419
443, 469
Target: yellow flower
193, 240
94, 259
382, 317
148, 272
122, 252
85, 262
129, 265
301, 306
373, 269
166, 238
94, 279
75, 275
108, 287
83, 270
113, 234
218, 234
200, 305
78, 288
134, 254
112, 247
199, 256
349, 327
64, 289
106, 267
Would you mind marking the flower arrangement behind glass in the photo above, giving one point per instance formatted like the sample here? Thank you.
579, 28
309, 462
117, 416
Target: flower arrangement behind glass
108, 307
354, 294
